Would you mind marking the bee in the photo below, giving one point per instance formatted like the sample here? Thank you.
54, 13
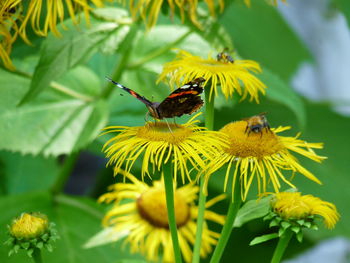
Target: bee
257, 124
224, 56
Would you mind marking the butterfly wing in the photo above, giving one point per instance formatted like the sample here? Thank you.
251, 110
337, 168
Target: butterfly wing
184, 100
132, 93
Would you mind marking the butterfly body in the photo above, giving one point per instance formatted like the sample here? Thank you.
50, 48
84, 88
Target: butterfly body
184, 100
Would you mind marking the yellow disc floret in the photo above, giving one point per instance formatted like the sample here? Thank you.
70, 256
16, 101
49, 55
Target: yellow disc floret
242, 144
152, 207
29, 226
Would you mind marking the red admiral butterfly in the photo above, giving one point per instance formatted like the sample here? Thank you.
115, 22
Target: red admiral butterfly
184, 100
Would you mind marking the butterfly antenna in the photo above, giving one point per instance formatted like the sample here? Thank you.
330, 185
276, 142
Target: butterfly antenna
115, 83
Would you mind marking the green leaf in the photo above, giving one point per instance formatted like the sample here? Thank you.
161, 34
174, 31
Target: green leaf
285, 225
252, 209
278, 90
26, 173
77, 220
261, 34
344, 6
58, 56
54, 123
263, 239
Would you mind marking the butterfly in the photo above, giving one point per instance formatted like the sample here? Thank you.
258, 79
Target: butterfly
184, 100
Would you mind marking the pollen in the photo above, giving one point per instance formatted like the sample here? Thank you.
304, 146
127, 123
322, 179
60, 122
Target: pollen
258, 145
160, 131
151, 206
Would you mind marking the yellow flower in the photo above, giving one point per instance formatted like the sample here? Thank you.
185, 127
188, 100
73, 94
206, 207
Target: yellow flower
8, 18
272, 2
29, 226
261, 155
42, 15
293, 205
232, 77
145, 218
54, 12
149, 10
31, 231
158, 143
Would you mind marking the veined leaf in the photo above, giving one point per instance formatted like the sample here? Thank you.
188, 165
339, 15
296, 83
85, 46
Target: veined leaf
54, 123
60, 55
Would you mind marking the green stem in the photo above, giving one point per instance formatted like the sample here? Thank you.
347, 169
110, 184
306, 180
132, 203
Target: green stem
209, 108
169, 193
65, 172
209, 123
125, 51
281, 246
37, 256
200, 221
227, 229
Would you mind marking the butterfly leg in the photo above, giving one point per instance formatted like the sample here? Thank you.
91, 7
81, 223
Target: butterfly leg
168, 126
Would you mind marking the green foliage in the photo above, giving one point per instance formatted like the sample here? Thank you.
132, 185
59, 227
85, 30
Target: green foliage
261, 34
344, 6
252, 209
64, 104
264, 238
76, 220
20, 174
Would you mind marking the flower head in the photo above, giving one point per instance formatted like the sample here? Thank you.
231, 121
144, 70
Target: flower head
43, 17
31, 231
145, 217
8, 18
294, 206
149, 10
236, 76
158, 143
261, 155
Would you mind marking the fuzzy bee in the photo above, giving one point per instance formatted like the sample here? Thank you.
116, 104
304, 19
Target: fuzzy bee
224, 56
257, 124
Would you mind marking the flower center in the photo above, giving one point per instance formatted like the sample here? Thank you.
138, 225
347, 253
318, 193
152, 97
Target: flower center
291, 205
160, 131
152, 207
29, 226
242, 143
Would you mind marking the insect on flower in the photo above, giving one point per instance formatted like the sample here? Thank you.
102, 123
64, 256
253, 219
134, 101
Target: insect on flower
225, 57
184, 100
257, 124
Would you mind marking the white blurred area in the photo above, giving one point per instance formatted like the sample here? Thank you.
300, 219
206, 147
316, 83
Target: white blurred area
326, 34
335, 250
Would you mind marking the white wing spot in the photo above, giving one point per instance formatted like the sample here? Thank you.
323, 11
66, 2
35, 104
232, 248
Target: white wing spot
185, 86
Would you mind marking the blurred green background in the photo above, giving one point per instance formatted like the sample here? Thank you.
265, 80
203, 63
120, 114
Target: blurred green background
53, 107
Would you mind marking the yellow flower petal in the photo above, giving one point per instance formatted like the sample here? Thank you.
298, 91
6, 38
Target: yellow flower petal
262, 157
145, 216
237, 77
